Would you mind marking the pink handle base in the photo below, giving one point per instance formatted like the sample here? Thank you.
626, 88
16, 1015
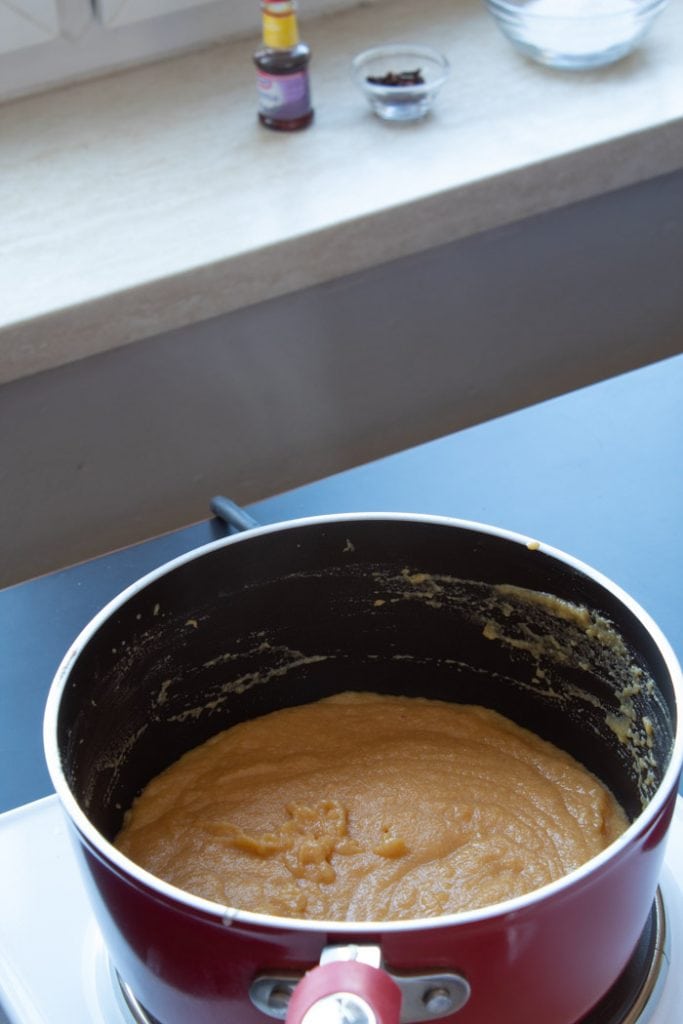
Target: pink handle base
378, 990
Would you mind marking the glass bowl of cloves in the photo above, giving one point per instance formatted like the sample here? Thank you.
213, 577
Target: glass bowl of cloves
400, 82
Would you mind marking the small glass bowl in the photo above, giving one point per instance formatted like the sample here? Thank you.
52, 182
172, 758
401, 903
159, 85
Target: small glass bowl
418, 71
575, 34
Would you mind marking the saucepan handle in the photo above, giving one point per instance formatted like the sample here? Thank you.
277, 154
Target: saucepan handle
345, 992
232, 514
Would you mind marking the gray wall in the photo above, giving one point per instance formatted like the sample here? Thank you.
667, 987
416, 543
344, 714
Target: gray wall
119, 447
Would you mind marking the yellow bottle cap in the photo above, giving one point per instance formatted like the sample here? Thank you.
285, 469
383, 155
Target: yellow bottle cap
280, 31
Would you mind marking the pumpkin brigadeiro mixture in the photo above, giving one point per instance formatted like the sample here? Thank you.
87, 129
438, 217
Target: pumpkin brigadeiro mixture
366, 807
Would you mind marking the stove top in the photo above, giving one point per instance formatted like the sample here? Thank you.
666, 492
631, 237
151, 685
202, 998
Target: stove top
54, 967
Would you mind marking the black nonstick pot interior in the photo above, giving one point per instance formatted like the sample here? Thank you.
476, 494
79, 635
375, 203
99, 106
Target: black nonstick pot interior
403, 605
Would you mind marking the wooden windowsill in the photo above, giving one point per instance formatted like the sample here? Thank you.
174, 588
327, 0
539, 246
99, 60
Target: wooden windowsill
152, 199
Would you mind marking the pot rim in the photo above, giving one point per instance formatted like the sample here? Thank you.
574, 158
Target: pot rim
232, 915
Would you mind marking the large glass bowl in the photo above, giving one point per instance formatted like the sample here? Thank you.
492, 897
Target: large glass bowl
575, 34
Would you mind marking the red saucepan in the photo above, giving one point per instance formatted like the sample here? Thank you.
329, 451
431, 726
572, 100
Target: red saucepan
402, 604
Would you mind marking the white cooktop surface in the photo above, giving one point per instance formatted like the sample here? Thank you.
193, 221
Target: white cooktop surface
53, 966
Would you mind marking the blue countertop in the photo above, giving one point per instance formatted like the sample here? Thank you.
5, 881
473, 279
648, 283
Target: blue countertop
597, 473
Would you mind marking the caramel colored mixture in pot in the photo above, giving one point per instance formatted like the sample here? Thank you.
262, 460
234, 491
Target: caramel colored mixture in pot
367, 807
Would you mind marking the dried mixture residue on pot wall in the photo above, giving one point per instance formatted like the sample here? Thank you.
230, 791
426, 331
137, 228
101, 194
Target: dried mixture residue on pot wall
563, 653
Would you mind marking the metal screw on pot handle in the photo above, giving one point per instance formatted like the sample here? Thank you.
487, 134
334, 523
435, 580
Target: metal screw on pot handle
342, 1008
348, 987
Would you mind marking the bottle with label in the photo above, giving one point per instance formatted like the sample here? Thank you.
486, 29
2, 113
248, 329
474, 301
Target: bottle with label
282, 69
